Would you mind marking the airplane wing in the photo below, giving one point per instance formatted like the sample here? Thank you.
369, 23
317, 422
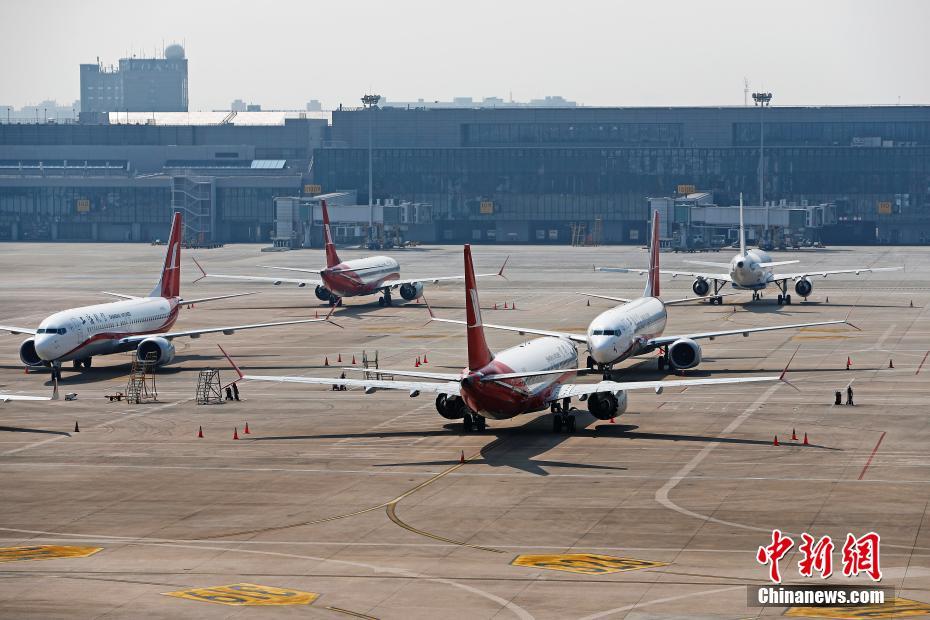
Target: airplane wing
369, 385
519, 330
779, 263
608, 297
722, 277
300, 282
18, 330
567, 390
708, 264
120, 295
184, 300
667, 302
804, 274
6, 397
439, 376
664, 340
499, 273
229, 330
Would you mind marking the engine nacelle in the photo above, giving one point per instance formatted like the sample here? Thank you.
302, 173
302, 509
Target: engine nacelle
684, 353
411, 291
606, 405
322, 293
701, 287
451, 407
27, 353
163, 348
803, 287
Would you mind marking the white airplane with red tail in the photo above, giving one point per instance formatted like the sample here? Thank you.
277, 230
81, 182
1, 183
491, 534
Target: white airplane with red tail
527, 378
352, 278
637, 326
141, 324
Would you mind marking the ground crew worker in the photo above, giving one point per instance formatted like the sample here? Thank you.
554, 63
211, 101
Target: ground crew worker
235, 391
228, 393
849, 395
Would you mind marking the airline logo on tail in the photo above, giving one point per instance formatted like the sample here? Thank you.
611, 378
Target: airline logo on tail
169, 285
332, 259
479, 355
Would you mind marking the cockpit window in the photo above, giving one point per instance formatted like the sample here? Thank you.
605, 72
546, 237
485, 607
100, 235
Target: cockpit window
51, 330
605, 332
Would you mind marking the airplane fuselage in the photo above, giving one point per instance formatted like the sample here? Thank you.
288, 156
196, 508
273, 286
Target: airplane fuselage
362, 276
80, 333
623, 331
506, 398
746, 272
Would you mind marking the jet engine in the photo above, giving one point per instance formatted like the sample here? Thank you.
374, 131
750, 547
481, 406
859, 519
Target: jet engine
803, 287
27, 353
684, 353
701, 287
163, 348
322, 293
411, 291
451, 407
606, 405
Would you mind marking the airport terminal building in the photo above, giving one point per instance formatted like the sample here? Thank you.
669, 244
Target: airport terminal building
505, 175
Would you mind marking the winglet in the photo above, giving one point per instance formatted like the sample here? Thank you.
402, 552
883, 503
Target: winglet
785, 371
846, 320
233, 364
429, 308
329, 319
201, 270
501, 272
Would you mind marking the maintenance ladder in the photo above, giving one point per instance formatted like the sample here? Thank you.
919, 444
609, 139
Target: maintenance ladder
209, 387
141, 386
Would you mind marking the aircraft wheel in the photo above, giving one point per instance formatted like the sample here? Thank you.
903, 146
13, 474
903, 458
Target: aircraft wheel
381, 301
781, 300
788, 299
570, 423
719, 300
556, 423
87, 362
662, 363
481, 423
467, 425
76, 363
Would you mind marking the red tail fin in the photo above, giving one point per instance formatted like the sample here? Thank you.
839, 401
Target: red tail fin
479, 355
169, 285
332, 259
652, 282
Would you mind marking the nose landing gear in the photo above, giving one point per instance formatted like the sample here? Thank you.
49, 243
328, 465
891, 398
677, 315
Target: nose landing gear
563, 416
474, 422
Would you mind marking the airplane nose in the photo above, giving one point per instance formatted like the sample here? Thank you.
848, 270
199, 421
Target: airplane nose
45, 347
602, 350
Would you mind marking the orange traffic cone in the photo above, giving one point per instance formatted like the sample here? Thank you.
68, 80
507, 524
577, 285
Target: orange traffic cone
200, 432
805, 440
353, 360
316, 314
890, 363
505, 306
794, 436
339, 359
513, 306
26, 370
77, 429
611, 419
495, 307
424, 359
848, 362
417, 364
775, 443
462, 458
246, 430
326, 361
235, 433
589, 303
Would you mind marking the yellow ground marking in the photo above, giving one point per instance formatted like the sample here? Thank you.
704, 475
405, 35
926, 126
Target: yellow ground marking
45, 552
894, 608
246, 594
587, 563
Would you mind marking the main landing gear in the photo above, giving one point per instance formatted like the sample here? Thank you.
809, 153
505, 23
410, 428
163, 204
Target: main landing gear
562, 416
474, 422
84, 362
56, 371
784, 298
386, 299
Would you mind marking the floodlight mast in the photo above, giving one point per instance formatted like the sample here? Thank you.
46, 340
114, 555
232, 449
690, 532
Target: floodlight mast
370, 102
762, 100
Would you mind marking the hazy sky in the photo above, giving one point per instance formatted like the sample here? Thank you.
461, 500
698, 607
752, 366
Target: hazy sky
281, 54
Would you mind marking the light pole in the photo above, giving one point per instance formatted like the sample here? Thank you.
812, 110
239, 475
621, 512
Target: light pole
762, 100
370, 102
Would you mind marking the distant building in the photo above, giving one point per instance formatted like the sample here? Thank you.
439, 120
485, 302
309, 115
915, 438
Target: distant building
137, 84
487, 102
238, 105
314, 105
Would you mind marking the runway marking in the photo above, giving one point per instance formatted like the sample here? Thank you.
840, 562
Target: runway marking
922, 362
45, 552
246, 594
871, 456
658, 601
895, 608
585, 563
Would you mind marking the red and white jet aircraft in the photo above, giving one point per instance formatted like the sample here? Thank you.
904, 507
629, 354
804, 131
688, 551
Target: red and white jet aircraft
352, 278
523, 379
134, 323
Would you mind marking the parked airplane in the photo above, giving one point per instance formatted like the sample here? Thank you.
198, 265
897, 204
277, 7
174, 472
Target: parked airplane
636, 327
353, 278
523, 379
752, 270
135, 323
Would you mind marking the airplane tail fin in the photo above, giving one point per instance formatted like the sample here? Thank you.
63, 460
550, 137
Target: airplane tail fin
479, 355
652, 282
742, 230
332, 259
169, 284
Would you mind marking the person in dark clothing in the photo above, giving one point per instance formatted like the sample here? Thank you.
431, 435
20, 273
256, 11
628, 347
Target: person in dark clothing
235, 391
228, 393
849, 395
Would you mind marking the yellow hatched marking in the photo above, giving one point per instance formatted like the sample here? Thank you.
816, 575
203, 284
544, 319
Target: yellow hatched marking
45, 552
895, 608
586, 563
246, 594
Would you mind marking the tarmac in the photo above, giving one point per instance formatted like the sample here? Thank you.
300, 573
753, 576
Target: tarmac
341, 504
